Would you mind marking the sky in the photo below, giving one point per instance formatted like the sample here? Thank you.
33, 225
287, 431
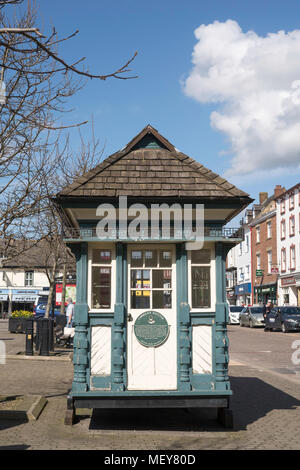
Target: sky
220, 80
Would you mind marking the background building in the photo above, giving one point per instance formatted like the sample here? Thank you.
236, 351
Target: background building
288, 245
23, 279
264, 249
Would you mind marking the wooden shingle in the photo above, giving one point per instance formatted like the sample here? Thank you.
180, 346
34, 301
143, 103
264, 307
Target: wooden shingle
158, 171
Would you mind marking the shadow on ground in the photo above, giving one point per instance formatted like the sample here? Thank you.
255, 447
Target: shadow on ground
252, 400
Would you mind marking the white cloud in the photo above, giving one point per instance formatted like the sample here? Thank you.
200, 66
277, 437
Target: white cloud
256, 82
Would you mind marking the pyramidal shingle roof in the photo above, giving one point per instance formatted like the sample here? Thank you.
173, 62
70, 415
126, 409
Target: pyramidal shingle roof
150, 165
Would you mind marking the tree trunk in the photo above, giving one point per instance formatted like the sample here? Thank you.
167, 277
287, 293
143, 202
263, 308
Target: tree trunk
51, 291
63, 292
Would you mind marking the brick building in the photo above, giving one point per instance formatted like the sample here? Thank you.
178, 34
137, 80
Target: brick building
264, 249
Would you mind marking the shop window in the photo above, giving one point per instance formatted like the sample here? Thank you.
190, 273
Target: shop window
101, 279
28, 278
201, 278
151, 285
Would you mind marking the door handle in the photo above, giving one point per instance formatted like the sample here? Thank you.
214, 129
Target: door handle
129, 317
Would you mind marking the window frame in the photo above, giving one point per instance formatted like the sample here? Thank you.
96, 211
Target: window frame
257, 230
283, 251
269, 229
29, 271
212, 266
150, 247
112, 248
282, 225
258, 256
269, 262
292, 233
292, 266
291, 201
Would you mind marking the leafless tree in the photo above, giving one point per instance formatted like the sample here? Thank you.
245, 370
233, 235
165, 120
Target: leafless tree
39, 83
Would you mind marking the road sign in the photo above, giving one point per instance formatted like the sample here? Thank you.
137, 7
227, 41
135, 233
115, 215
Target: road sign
259, 272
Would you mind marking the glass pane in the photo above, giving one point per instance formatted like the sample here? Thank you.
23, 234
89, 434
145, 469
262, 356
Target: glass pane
165, 259
151, 259
140, 279
162, 299
161, 278
101, 256
101, 285
200, 287
140, 299
137, 259
201, 256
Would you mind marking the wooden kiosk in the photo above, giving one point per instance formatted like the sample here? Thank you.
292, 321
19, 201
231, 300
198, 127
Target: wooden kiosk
150, 314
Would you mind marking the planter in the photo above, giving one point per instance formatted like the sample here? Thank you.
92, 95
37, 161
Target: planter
17, 325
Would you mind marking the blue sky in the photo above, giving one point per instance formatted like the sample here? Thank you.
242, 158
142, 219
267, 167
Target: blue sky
163, 34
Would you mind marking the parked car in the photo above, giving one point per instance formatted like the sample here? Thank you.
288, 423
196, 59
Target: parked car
283, 318
234, 314
252, 316
40, 310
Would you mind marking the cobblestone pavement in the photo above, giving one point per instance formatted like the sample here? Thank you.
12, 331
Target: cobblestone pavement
266, 411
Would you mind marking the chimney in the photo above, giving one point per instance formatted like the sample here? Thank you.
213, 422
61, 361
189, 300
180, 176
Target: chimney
278, 190
263, 197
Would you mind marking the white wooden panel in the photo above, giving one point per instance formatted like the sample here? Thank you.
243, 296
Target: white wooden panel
202, 349
101, 350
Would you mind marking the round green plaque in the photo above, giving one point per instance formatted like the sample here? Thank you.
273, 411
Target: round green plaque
151, 329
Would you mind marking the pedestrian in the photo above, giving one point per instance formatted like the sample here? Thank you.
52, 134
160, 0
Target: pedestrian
70, 313
266, 310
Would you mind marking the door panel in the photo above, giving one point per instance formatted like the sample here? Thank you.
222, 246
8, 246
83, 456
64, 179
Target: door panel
152, 281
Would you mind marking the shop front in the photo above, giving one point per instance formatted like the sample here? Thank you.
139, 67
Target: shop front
243, 293
23, 299
151, 310
289, 290
4, 303
264, 293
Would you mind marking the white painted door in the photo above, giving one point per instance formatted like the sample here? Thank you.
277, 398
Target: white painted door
151, 288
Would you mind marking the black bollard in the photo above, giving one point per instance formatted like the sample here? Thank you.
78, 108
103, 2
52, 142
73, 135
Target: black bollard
44, 337
51, 334
37, 334
29, 337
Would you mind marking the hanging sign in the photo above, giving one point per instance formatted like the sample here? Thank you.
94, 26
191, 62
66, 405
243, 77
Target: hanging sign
151, 329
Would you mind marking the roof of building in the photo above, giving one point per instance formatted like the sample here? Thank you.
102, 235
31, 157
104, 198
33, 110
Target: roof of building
150, 165
29, 254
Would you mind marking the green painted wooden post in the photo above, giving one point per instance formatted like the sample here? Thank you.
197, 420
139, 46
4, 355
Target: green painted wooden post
222, 358
183, 319
80, 357
118, 345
